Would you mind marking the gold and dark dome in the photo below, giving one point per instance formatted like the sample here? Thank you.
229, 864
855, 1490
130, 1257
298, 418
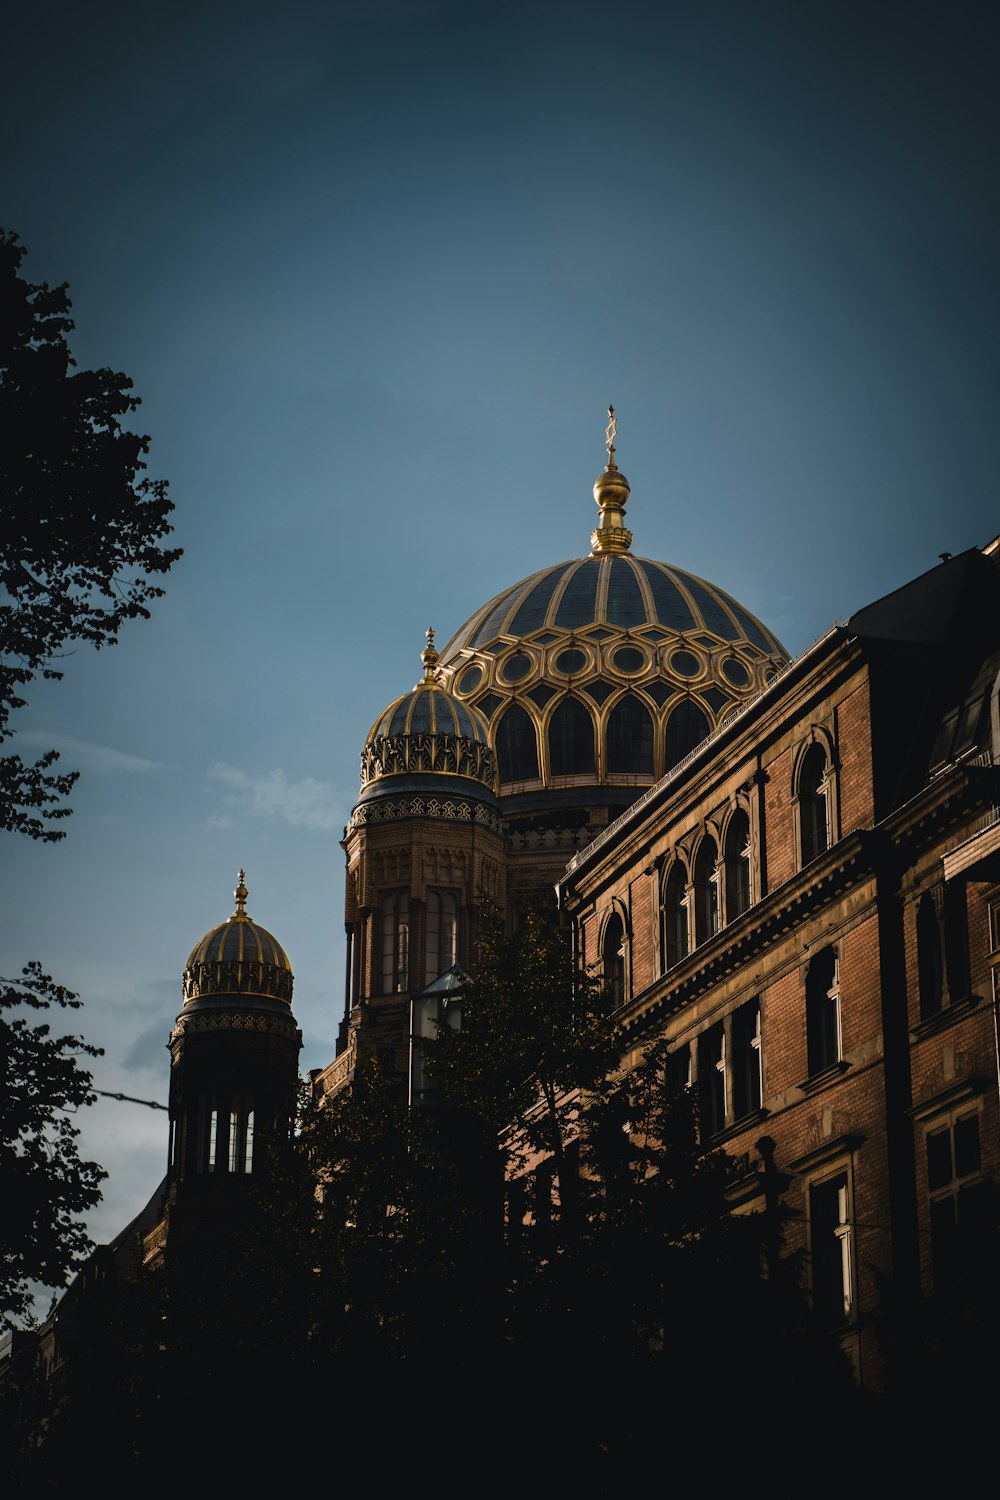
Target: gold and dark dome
238, 958
428, 732
608, 669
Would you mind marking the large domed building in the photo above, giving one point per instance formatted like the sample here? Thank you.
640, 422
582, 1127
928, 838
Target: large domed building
545, 716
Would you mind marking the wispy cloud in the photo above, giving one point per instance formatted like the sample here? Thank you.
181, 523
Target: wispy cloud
304, 804
85, 754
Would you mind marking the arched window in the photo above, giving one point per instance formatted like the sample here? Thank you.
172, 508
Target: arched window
674, 915
814, 804
613, 962
737, 863
395, 950
930, 969
686, 727
571, 740
823, 1038
630, 737
706, 891
517, 746
441, 945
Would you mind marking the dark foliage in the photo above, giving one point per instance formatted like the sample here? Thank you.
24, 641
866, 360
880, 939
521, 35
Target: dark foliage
44, 1185
81, 529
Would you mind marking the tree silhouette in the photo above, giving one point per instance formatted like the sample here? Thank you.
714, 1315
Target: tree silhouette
81, 529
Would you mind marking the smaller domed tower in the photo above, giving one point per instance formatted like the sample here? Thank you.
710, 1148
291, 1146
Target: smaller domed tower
424, 845
234, 1068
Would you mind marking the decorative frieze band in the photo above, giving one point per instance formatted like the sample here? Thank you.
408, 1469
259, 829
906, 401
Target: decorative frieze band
452, 809
237, 977
236, 1020
414, 754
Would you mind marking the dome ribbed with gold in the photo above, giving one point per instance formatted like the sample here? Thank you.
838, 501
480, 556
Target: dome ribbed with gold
428, 731
238, 958
607, 669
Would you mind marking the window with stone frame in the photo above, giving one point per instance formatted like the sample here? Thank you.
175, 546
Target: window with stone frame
747, 1055
675, 939
823, 1030
440, 934
394, 951
942, 948
736, 862
613, 962
831, 1250
814, 804
712, 1082
677, 1072
930, 959
706, 890
956, 1196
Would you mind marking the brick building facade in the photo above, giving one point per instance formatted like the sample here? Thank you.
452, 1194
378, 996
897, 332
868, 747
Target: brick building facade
808, 907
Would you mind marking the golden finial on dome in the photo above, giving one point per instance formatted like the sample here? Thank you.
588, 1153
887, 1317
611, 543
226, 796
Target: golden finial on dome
611, 491
610, 432
240, 894
429, 656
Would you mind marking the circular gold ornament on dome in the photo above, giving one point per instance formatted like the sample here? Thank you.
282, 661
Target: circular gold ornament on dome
517, 667
570, 662
629, 660
685, 664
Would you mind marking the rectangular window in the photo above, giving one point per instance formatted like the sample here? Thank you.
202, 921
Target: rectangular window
234, 1141
747, 1055
712, 1080
831, 1251
955, 1190
823, 1036
678, 1070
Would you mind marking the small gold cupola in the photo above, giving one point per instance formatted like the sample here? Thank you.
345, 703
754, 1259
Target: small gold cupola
611, 491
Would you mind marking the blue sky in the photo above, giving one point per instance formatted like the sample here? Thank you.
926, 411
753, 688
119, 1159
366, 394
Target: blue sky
377, 271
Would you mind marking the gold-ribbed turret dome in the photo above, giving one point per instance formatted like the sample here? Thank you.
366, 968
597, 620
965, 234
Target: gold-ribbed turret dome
238, 958
428, 731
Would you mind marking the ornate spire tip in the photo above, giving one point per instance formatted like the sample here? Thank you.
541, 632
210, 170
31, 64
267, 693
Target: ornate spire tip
240, 895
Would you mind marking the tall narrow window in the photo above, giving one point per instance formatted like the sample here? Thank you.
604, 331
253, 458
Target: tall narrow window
248, 1145
213, 1139
235, 1153
823, 1037
955, 1189
517, 746
831, 1251
441, 945
678, 1069
706, 891
571, 740
747, 1055
956, 941
675, 935
686, 727
395, 952
613, 955
737, 864
930, 969
814, 804
629, 742
712, 1080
